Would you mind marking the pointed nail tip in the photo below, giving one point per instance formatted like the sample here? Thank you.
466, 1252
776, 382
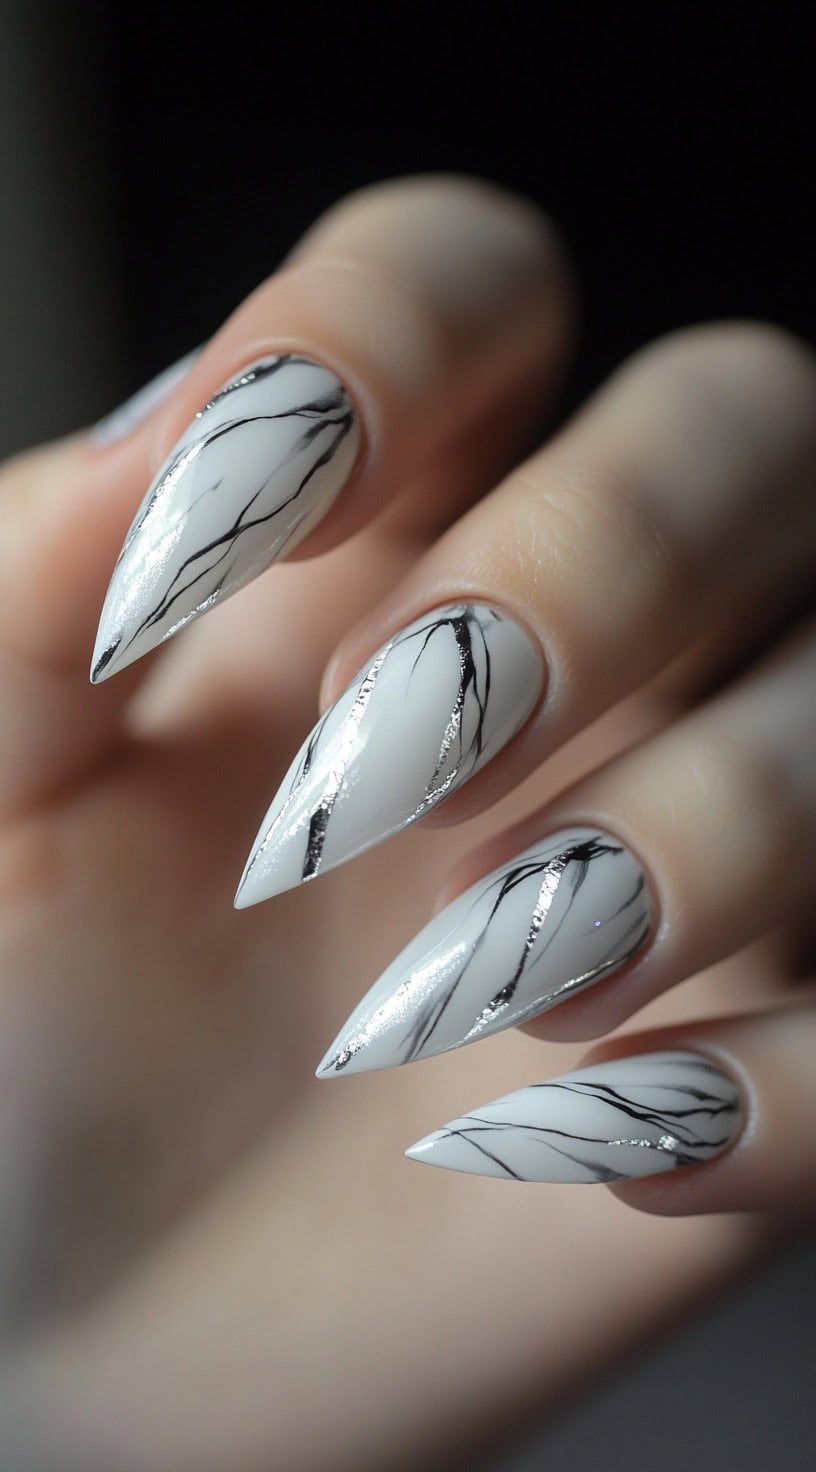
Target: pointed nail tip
102, 660
419, 1147
250, 892
340, 1060
247, 895
255, 892
99, 672
327, 1067
426, 1151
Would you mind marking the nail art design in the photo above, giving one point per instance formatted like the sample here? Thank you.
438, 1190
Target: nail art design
426, 712
258, 467
544, 926
610, 1122
128, 416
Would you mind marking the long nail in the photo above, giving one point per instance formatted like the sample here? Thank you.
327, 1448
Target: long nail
544, 926
426, 712
610, 1122
128, 416
258, 467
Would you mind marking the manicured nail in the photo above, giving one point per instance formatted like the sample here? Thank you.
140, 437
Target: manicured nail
427, 710
609, 1122
544, 926
257, 469
128, 416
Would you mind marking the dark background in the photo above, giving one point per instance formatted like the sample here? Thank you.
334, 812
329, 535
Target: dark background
157, 162
674, 144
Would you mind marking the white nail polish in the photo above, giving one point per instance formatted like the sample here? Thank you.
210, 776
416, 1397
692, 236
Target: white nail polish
128, 416
425, 713
256, 470
544, 926
612, 1121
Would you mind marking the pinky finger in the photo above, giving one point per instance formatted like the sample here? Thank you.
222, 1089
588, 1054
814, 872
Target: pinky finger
707, 1118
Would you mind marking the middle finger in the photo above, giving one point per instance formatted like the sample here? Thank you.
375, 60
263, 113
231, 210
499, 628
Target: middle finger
668, 504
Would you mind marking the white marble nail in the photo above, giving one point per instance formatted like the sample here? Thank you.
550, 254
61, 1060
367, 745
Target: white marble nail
609, 1122
258, 467
425, 713
128, 416
547, 924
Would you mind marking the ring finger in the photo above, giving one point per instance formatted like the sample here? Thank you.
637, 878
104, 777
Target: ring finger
670, 858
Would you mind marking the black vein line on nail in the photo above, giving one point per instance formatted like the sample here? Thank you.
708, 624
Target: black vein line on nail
319, 822
605, 1094
240, 526
256, 373
460, 621
466, 1135
603, 1174
552, 870
573, 984
428, 1017
465, 627
671, 1123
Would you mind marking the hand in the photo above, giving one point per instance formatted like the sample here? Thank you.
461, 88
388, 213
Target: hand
208, 1258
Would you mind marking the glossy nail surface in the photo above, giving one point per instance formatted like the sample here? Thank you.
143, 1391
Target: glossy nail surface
424, 714
610, 1122
547, 924
128, 416
258, 467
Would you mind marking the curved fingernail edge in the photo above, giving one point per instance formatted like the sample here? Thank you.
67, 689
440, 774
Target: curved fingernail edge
421, 717
126, 417
614, 1121
549, 923
259, 466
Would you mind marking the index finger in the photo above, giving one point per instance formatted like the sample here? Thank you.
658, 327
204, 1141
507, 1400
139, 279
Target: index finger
409, 315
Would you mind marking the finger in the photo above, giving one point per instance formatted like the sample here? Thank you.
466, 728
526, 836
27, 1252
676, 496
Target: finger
638, 1115
669, 503
60, 527
703, 1118
411, 312
421, 356
678, 500
422, 1335
672, 857
768, 1057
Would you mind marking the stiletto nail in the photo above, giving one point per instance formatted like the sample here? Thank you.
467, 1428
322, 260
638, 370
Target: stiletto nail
544, 926
426, 712
128, 416
257, 469
610, 1122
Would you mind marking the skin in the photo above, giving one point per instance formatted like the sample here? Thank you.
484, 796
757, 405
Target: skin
207, 1258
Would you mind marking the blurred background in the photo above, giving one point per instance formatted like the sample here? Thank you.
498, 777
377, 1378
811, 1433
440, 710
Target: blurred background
156, 161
